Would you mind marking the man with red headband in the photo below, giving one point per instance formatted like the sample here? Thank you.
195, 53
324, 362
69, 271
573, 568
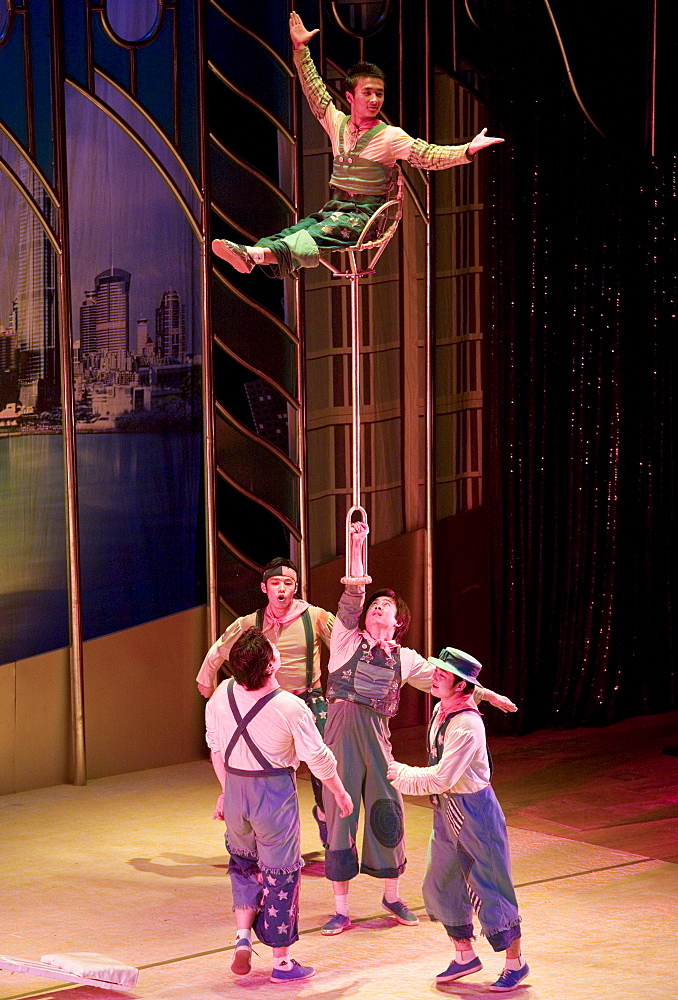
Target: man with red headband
297, 629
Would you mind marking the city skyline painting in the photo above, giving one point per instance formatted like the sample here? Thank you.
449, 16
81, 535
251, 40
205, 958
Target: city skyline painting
135, 298
127, 331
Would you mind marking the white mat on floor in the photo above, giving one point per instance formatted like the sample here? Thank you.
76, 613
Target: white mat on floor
87, 968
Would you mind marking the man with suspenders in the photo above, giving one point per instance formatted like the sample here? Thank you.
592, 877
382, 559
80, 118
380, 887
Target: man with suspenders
365, 151
366, 671
469, 865
257, 734
297, 629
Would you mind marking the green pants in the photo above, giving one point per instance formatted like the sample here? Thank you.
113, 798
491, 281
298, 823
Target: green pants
338, 224
360, 740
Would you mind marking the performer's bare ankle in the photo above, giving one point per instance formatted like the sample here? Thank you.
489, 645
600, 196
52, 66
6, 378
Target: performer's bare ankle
340, 891
258, 254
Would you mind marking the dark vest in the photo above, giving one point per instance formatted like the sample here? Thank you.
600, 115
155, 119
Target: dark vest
371, 677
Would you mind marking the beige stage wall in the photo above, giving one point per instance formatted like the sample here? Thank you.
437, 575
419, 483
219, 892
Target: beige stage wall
142, 708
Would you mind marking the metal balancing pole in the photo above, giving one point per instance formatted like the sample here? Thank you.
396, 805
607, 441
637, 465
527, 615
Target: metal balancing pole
356, 507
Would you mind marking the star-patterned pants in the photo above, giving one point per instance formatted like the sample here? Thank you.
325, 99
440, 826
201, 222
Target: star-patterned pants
338, 224
263, 839
316, 702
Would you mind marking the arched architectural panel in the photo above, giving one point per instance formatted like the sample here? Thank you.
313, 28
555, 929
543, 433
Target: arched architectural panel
261, 508
102, 323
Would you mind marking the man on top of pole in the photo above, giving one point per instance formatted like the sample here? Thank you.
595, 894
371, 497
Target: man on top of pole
365, 151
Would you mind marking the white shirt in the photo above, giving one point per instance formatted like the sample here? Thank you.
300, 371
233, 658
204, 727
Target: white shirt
284, 731
463, 767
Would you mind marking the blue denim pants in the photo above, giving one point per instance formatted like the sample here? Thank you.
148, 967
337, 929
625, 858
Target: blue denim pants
469, 869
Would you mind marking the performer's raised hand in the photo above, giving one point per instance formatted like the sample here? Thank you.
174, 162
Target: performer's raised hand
481, 141
359, 531
298, 33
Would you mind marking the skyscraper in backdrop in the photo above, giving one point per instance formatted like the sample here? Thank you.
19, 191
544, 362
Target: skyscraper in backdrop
170, 327
35, 310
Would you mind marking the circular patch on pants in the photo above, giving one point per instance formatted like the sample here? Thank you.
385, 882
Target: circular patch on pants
386, 820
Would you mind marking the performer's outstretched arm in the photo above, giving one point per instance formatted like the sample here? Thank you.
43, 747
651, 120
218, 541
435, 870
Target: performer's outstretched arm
481, 141
429, 156
312, 85
499, 701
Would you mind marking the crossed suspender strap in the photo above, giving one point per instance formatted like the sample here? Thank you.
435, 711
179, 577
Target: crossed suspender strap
440, 735
268, 770
310, 642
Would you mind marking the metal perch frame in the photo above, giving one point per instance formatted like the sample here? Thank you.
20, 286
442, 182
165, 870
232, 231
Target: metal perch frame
378, 232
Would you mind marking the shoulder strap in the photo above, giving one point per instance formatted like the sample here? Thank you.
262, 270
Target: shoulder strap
242, 723
441, 731
260, 619
342, 128
310, 647
367, 137
440, 735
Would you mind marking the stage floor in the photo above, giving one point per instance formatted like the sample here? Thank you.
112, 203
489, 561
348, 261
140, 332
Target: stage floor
134, 868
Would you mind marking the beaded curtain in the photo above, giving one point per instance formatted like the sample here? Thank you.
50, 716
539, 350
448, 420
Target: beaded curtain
580, 380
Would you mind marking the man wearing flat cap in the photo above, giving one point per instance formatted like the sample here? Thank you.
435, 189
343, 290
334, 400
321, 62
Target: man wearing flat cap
469, 865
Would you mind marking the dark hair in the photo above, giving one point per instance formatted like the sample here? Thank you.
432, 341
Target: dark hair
278, 563
464, 687
402, 612
362, 69
249, 659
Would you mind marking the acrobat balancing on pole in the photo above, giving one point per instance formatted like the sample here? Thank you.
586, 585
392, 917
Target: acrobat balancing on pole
365, 152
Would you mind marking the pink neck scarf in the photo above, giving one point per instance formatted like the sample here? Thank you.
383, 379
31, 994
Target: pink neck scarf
275, 624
